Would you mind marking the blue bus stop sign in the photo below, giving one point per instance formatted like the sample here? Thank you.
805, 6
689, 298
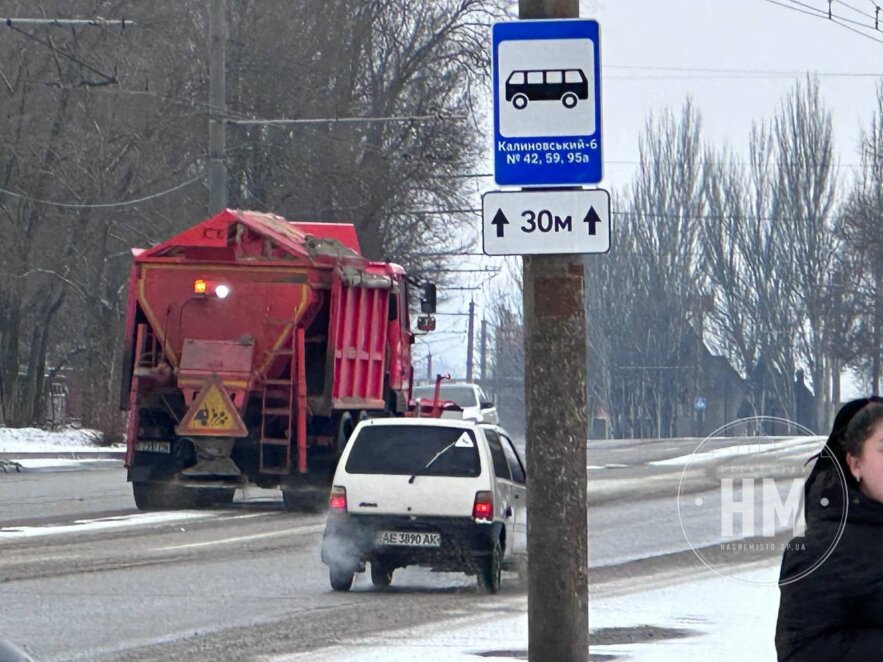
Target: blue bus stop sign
547, 103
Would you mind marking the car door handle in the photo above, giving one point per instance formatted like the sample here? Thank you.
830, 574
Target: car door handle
508, 511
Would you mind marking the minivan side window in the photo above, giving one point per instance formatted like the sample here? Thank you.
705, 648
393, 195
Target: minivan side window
501, 466
514, 463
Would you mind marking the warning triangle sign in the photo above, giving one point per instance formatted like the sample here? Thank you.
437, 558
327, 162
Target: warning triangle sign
212, 413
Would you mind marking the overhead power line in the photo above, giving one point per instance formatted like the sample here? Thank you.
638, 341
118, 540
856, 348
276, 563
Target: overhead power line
98, 21
13, 23
854, 8
828, 15
107, 205
439, 116
763, 73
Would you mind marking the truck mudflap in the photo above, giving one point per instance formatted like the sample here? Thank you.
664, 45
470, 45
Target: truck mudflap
213, 458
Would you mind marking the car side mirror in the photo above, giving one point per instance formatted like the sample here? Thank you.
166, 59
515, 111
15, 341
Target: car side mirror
428, 300
487, 405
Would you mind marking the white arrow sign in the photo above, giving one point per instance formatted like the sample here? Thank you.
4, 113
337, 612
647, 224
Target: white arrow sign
546, 222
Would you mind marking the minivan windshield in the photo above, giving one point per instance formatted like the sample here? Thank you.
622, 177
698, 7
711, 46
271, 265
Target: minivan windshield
406, 450
462, 394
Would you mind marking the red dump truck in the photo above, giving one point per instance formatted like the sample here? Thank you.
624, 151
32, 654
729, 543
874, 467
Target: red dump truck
254, 345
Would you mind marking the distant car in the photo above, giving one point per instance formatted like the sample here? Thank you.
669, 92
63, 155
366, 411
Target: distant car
470, 398
445, 494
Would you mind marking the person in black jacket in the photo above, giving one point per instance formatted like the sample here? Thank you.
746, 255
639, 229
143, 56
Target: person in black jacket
831, 582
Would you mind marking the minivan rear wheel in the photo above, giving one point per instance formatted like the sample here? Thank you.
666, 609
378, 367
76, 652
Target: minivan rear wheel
381, 574
490, 570
341, 579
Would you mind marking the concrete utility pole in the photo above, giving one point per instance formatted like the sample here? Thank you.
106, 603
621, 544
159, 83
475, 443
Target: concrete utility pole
429, 366
555, 390
483, 350
470, 343
217, 74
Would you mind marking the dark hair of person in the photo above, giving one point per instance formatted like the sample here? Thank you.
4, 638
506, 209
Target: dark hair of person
861, 426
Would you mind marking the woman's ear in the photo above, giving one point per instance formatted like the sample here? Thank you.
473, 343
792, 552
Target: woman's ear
854, 466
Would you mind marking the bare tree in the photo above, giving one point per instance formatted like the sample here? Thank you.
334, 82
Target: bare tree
645, 298
101, 116
862, 220
803, 199
753, 317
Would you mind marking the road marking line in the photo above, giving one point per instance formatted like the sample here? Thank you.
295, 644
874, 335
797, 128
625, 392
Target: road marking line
314, 528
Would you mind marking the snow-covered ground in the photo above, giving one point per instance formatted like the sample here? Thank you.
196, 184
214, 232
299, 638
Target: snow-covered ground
796, 446
705, 618
33, 440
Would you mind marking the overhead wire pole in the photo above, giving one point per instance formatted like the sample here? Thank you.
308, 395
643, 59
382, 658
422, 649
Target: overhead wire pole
217, 173
470, 343
555, 394
483, 350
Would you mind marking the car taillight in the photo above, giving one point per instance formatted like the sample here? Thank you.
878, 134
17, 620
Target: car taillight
483, 508
337, 502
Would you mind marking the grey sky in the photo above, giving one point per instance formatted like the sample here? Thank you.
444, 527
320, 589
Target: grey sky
759, 51
748, 36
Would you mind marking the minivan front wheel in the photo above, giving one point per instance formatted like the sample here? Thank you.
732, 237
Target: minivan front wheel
490, 570
341, 579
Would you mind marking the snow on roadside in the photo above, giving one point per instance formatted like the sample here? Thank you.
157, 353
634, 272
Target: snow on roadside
37, 464
102, 524
719, 618
796, 445
33, 440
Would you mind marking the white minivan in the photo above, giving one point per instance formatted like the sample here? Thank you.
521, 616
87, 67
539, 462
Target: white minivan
440, 493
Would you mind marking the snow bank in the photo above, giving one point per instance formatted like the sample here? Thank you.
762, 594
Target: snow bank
33, 440
724, 619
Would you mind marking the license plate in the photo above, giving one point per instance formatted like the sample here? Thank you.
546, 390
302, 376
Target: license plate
153, 447
409, 538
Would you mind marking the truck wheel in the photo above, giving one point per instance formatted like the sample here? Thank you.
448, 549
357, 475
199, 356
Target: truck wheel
148, 496
381, 574
490, 570
160, 495
341, 579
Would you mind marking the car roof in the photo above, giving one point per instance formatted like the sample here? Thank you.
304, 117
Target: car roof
447, 384
433, 422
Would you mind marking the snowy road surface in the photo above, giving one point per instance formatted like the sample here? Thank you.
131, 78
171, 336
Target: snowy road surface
84, 576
